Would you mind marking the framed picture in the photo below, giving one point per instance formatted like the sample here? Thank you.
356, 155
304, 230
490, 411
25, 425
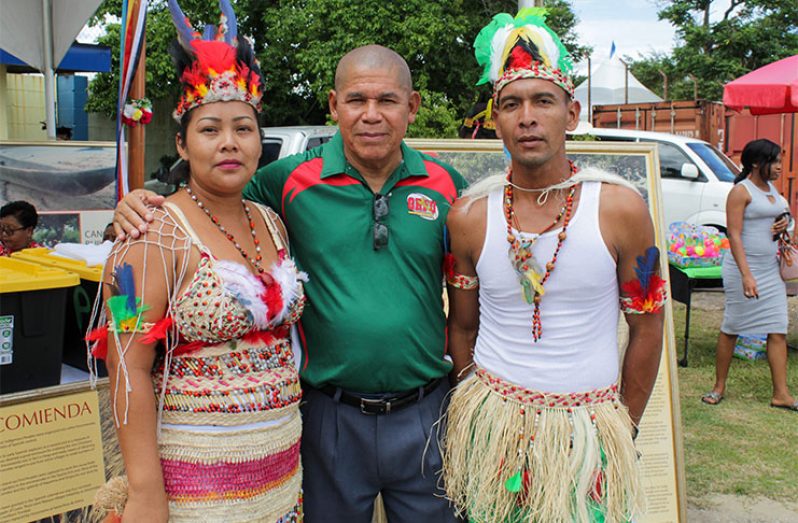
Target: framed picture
660, 441
71, 185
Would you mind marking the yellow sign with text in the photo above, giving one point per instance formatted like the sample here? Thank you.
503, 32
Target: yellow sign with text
51, 458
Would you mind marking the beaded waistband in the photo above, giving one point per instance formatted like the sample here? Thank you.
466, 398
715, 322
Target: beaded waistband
511, 391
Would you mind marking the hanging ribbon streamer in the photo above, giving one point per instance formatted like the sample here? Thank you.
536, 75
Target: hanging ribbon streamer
134, 18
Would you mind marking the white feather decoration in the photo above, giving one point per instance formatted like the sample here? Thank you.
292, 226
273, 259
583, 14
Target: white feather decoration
288, 277
551, 50
246, 287
497, 49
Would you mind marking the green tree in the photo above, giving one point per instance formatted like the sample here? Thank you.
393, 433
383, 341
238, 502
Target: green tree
299, 43
717, 49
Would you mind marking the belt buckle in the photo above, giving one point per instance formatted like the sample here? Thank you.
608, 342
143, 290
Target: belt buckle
385, 406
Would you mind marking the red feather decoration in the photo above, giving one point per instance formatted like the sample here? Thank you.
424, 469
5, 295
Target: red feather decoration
188, 347
214, 54
158, 331
99, 335
448, 265
598, 487
519, 59
649, 301
273, 298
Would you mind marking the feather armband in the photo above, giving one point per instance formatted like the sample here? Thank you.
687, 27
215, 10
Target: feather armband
455, 279
648, 293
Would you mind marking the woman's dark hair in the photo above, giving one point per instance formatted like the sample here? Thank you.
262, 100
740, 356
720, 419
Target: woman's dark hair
761, 152
24, 212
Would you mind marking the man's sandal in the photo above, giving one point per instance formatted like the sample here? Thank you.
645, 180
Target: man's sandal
712, 398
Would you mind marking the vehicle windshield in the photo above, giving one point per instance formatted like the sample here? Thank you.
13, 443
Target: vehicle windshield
723, 168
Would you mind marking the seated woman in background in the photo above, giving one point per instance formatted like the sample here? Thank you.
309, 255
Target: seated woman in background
204, 388
17, 221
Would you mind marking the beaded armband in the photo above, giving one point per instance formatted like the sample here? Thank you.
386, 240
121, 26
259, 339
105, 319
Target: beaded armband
130, 326
462, 281
647, 293
457, 280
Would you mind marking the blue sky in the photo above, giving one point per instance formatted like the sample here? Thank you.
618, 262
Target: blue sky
632, 24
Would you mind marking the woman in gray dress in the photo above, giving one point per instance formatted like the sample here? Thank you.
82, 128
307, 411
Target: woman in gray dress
756, 298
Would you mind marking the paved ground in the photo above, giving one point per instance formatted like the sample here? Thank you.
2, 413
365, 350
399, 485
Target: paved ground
737, 509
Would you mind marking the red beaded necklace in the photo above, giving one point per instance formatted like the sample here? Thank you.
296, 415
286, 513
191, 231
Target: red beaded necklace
255, 262
530, 274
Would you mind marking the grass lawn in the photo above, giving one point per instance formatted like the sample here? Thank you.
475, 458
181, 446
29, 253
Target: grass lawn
742, 446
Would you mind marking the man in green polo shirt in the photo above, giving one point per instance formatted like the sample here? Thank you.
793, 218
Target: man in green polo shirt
365, 215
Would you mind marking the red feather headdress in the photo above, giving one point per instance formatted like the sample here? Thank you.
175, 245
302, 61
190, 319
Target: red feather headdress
216, 67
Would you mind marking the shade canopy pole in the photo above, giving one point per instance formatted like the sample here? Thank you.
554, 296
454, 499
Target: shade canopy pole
49, 73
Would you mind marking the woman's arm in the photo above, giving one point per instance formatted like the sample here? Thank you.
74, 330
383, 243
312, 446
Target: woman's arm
133, 397
137, 433
735, 208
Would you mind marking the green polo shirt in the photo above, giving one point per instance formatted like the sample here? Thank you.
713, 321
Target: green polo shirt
374, 319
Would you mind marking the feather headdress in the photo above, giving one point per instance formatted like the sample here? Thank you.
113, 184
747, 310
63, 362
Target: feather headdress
215, 66
510, 49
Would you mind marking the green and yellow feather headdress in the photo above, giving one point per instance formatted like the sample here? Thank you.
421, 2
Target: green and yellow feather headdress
510, 49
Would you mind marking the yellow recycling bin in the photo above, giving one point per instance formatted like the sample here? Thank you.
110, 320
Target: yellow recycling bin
79, 302
32, 304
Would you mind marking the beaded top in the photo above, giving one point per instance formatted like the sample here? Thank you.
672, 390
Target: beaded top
221, 303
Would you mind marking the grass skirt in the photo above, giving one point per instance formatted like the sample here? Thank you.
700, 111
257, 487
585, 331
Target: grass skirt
514, 454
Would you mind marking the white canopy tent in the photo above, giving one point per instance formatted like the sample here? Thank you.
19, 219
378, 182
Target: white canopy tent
608, 86
40, 32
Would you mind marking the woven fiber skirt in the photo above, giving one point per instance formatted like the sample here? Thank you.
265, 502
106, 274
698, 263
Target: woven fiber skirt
236, 475
514, 454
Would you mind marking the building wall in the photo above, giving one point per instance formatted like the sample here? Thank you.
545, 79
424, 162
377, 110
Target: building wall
24, 94
3, 104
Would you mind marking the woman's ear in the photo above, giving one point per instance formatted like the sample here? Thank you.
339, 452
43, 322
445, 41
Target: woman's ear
180, 146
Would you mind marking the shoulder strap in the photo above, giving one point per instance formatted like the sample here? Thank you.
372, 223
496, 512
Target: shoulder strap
182, 221
269, 218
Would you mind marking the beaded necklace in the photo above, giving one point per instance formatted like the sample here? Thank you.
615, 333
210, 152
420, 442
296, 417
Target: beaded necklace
530, 274
255, 262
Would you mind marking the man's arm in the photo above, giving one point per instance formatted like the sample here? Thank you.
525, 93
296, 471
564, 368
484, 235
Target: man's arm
625, 220
132, 213
463, 320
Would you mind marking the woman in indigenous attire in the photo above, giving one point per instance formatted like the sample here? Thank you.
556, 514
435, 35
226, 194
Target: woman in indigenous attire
197, 317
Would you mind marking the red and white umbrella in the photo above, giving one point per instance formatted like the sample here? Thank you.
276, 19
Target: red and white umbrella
771, 89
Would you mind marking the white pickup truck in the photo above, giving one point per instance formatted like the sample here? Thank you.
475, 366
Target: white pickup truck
696, 177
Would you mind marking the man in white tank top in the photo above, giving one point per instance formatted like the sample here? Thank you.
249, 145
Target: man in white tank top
539, 427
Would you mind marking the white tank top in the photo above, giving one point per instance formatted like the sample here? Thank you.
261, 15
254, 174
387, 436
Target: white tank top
579, 312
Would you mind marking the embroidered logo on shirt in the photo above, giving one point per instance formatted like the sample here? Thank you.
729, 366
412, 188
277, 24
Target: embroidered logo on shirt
423, 206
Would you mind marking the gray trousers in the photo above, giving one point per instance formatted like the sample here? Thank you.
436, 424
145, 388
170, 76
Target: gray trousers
349, 457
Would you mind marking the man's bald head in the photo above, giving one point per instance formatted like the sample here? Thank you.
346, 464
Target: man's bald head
373, 57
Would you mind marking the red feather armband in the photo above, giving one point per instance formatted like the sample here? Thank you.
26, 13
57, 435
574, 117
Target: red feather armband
455, 279
637, 300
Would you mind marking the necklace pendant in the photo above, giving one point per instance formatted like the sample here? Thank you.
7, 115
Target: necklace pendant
266, 278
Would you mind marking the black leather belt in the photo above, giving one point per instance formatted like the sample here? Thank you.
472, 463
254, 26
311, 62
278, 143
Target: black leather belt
380, 405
